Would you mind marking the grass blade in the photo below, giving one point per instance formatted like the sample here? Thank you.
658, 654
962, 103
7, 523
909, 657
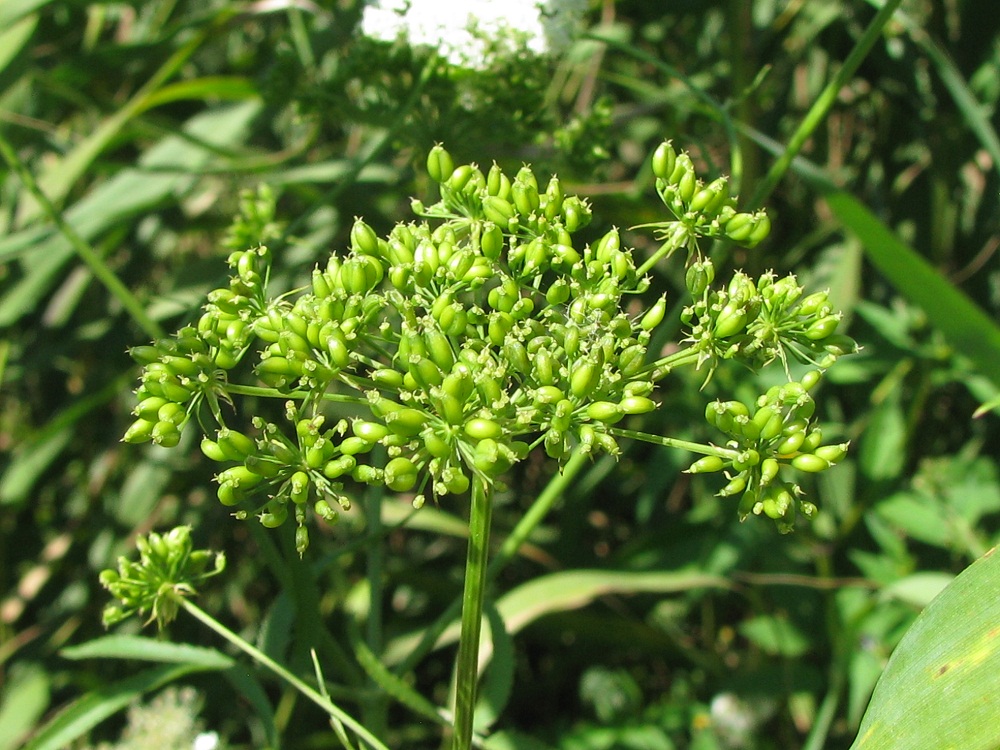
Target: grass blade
968, 329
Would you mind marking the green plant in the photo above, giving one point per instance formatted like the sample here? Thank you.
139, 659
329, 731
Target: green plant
460, 347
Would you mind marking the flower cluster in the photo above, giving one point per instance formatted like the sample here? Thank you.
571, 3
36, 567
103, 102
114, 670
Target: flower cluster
168, 568
446, 351
467, 31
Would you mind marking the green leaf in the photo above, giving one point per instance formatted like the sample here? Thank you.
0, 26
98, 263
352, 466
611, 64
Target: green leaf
918, 516
25, 698
165, 171
882, 453
87, 712
775, 636
917, 589
14, 38
148, 649
13, 10
559, 592
498, 682
940, 686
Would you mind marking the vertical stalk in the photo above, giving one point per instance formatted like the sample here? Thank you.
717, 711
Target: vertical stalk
376, 709
472, 612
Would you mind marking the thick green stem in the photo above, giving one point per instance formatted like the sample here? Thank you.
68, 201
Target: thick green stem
472, 612
261, 658
536, 513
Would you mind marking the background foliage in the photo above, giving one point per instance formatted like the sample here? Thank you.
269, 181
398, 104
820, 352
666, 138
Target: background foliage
142, 122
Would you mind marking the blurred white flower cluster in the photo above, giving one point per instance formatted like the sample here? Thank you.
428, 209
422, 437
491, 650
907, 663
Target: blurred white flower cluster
467, 32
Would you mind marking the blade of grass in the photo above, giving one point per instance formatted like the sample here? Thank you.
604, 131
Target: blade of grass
94, 262
11, 11
821, 107
57, 179
967, 328
976, 115
128, 194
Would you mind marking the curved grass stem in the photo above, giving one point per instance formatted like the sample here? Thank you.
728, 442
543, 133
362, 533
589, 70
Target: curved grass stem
263, 659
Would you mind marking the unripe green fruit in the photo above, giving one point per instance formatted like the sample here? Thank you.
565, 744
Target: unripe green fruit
352, 446
406, 421
400, 474
810, 463
823, 328
491, 240
548, 394
338, 467
439, 164
240, 477
165, 434
832, 453
371, 432
654, 316
481, 429
140, 431
234, 444
363, 238
498, 210
735, 486
664, 160
791, 444
298, 487
706, 465
212, 450
637, 405
584, 378
605, 411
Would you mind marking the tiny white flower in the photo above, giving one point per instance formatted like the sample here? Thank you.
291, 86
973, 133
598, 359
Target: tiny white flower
206, 741
462, 30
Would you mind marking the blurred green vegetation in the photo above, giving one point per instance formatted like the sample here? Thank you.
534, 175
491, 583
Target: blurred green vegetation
143, 121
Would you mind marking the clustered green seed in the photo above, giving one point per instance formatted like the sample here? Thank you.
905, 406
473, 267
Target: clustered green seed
465, 339
168, 568
776, 432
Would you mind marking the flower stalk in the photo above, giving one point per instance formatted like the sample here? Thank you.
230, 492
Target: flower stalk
473, 596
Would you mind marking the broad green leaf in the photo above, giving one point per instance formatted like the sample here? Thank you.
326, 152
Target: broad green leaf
918, 516
940, 687
148, 649
25, 698
87, 712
